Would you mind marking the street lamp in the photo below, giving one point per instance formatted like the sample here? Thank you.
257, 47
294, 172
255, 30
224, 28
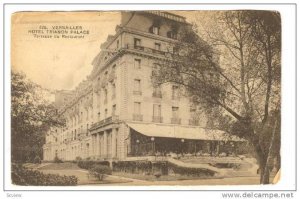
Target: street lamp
153, 145
182, 145
137, 146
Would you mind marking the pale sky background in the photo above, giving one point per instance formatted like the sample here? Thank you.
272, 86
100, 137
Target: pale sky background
61, 63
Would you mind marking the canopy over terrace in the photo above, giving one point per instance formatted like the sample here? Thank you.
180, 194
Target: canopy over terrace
164, 138
182, 132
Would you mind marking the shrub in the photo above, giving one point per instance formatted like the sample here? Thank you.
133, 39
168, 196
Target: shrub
37, 160
100, 171
57, 160
22, 176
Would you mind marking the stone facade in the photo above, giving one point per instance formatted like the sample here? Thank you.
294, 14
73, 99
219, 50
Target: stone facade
119, 90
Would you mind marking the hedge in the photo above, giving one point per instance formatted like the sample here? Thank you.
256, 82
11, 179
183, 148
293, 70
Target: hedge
88, 164
22, 176
140, 167
190, 171
161, 167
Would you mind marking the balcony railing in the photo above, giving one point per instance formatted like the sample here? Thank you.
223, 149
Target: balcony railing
176, 120
137, 92
157, 119
194, 122
147, 50
138, 47
137, 117
105, 121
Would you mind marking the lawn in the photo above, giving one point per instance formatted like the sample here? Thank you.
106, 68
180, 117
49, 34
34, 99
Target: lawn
60, 166
70, 169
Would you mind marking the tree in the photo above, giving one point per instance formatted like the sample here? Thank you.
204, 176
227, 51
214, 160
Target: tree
31, 116
236, 70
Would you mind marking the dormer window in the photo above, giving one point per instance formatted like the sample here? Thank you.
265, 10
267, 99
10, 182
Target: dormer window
154, 30
172, 34
155, 27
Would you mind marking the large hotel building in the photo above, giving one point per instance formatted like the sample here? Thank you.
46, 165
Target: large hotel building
116, 113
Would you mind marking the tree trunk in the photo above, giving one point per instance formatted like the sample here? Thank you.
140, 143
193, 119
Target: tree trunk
264, 172
263, 167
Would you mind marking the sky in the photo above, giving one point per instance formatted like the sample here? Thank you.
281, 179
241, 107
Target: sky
60, 63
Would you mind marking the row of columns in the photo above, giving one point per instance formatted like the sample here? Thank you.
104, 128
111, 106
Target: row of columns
104, 144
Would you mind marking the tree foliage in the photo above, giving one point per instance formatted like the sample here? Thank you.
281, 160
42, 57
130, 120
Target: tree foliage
234, 71
31, 116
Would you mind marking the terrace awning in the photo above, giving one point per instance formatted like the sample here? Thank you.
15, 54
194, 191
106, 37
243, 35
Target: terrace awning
182, 132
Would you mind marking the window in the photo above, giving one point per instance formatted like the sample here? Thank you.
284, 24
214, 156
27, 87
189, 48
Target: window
157, 46
98, 116
137, 108
155, 69
175, 50
114, 108
137, 42
155, 30
105, 113
137, 87
172, 34
175, 92
175, 111
157, 92
87, 129
118, 44
193, 116
156, 110
105, 96
113, 91
137, 63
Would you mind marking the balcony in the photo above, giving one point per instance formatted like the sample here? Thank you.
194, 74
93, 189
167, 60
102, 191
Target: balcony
137, 92
137, 117
138, 47
194, 122
147, 50
104, 122
175, 120
157, 119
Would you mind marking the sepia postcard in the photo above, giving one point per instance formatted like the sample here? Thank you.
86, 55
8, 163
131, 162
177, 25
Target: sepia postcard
148, 97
